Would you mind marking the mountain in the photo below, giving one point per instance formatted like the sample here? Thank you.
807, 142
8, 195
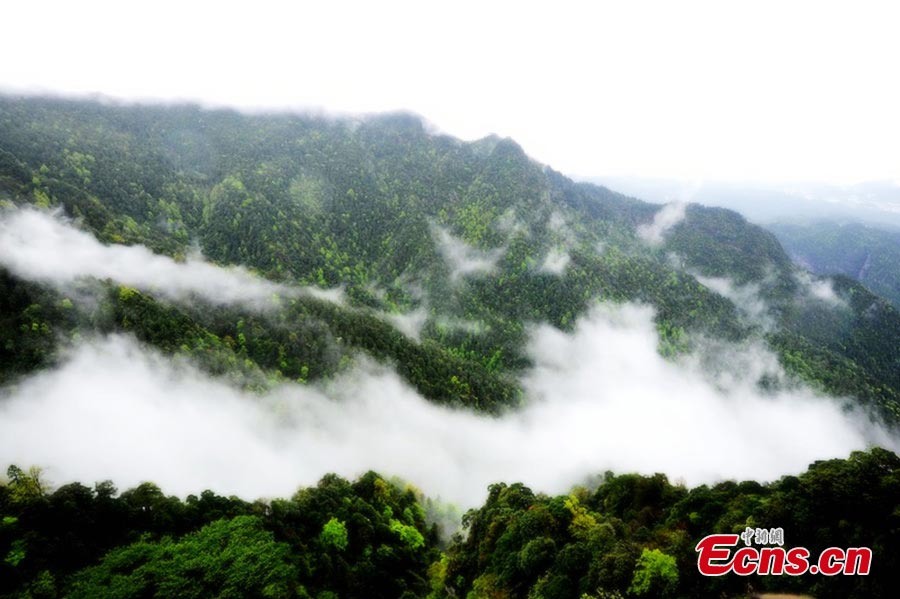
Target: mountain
866, 254
394, 215
295, 284
873, 203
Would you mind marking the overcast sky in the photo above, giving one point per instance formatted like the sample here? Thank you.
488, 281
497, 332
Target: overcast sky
761, 91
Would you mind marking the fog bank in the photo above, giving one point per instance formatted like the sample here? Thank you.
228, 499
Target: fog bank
600, 398
667, 217
42, 247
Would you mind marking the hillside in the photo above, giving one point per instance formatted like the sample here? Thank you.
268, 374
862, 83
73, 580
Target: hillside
476, 237
369, 538
864, 253
251, 303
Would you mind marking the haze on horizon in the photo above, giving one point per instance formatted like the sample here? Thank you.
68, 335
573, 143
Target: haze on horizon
753, 91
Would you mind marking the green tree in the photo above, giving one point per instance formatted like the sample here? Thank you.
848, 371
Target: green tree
410, 536
334, 534
655, 573
229, 559
26, 486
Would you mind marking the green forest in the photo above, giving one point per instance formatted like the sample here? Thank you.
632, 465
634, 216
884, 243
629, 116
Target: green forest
331, 203
629, 536
864, 253
379, 209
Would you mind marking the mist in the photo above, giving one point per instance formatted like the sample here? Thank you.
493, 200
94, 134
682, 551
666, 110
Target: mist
598, 399
819, 289
555, 262
875, 203
747, 298
47, 248
410, 323
667, 217
463, 259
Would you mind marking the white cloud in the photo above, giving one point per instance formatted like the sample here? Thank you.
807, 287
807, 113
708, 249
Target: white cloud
462, 258
746, 298
38, 246
555, 262
557, 224
601, 398
452, 323
665, 218
509, 224
410, 323
819, 289
677, 109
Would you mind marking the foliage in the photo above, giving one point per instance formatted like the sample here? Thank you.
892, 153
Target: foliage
655, 572
334, 534
338, 537
632, 535
635, 535
326, 202
227, 558
314, 201
867, 254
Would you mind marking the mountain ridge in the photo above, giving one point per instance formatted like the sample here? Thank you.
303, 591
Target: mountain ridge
330, 202
455, 313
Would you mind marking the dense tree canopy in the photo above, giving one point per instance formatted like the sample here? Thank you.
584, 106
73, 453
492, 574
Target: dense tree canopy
867, 254
630, 536
365, 204
483, 243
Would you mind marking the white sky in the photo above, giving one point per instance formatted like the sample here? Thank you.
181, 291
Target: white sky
724, 90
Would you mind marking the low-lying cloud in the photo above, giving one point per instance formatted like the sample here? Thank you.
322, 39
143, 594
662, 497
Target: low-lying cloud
747, 299
555, 262
462, 258
410, 323
42, 247
600, 398
666, 218
819, 289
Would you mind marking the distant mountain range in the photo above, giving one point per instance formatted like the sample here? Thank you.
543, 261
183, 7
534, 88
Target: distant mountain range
867, 254
875, 203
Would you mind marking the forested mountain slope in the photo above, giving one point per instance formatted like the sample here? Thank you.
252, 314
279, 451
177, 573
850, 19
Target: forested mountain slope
631, 536
864, 253
475, 239
351, 240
